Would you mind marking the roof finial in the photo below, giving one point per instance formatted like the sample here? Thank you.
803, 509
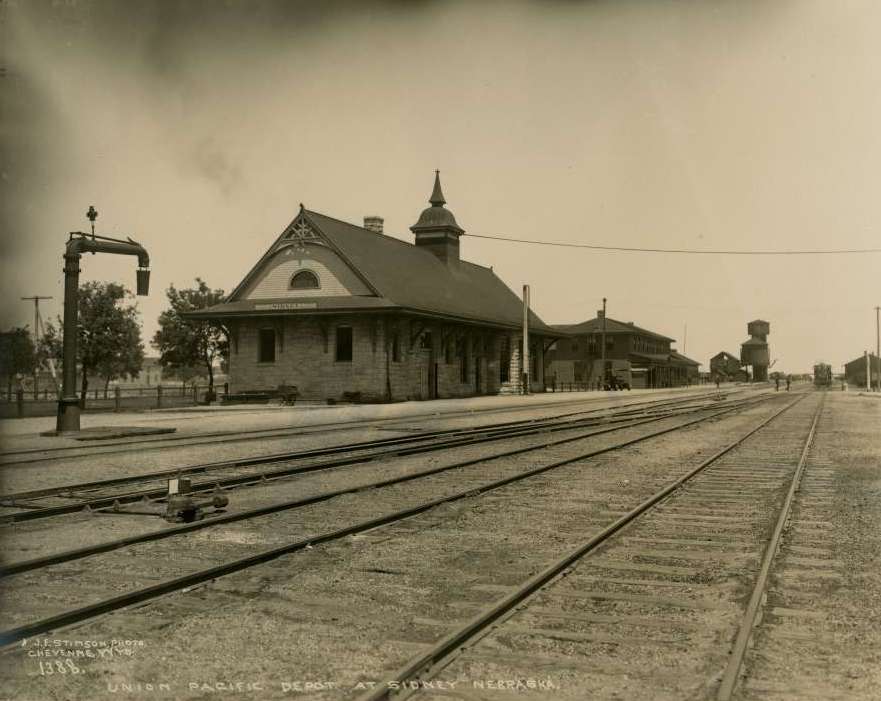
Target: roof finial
437, 197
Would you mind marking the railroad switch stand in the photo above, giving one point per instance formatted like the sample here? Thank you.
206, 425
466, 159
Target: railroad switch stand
182, 507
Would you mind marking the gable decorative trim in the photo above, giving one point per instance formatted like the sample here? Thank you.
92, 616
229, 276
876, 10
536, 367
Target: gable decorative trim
301, 232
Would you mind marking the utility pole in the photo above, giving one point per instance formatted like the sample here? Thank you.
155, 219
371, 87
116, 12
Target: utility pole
36, 333
525, 355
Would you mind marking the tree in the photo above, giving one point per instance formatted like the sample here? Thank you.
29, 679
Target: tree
128, 360
17, 354
108, 334
185, 344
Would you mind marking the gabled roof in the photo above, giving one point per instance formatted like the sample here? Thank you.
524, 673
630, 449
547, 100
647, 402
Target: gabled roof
726, 355
873, 362
402, 276
595, 325
677, 357
659, 358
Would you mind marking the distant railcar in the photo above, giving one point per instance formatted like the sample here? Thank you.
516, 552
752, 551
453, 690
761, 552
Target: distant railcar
822, 375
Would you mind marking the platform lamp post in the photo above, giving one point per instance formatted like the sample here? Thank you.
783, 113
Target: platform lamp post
77, 244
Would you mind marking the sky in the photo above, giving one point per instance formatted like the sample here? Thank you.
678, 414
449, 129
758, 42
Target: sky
197, 128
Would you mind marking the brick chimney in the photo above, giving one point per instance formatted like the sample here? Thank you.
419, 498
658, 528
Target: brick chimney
373, 224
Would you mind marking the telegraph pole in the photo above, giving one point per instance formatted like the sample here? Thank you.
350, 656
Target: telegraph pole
36, 299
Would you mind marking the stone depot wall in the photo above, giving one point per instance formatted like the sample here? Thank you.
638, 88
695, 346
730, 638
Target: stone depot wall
305, 357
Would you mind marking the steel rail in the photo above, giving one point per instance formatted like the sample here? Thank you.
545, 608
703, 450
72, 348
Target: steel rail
279, 431
738, 651
87, 551
158, 493
441, 653
140, 595
9, 499
282, 432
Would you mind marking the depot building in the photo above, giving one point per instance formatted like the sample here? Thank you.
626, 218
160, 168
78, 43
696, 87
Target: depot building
636, 356
341, 311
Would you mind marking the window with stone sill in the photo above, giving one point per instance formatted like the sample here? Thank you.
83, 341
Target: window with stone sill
266, 346
344, 344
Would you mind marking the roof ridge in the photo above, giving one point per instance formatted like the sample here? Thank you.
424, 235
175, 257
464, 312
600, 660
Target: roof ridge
392, 238
623, 324
361, 228
478, 265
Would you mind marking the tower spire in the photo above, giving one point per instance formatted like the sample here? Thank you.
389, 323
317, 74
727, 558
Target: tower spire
437, 230
437, 196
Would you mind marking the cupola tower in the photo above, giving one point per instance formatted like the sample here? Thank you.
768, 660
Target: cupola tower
437, 229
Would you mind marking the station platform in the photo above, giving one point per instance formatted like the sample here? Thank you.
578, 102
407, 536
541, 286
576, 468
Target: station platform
25, 434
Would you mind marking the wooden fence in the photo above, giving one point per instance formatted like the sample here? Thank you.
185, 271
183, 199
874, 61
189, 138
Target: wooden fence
44, 402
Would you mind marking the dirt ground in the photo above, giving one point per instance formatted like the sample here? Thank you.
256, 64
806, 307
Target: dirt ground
317, 623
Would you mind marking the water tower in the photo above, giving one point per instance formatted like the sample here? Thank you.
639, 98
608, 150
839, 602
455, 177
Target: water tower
755, 351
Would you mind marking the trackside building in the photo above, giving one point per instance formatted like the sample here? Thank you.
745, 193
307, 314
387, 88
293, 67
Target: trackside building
344, 311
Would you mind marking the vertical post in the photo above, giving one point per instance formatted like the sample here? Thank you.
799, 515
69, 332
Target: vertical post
158, 396
68, 404
116, 398
525, 358
36, 321
878, 343
195, 393
603, 345
868, 372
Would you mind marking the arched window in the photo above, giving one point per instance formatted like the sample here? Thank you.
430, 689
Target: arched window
305, 280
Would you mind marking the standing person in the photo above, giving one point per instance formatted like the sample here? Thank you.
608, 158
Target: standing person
717, 382
777, 384
788, 382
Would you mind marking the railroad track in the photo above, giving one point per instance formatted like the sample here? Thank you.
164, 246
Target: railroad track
661, 602
801, 615
116, 492
22, 458
509, 470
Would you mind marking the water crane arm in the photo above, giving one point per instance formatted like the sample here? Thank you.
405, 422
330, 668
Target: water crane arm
85, 243
80, 243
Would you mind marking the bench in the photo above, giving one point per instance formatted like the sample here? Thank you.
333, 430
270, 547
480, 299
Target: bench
251, 397
288, 394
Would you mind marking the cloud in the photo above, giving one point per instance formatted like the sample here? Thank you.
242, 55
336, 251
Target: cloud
207, 159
